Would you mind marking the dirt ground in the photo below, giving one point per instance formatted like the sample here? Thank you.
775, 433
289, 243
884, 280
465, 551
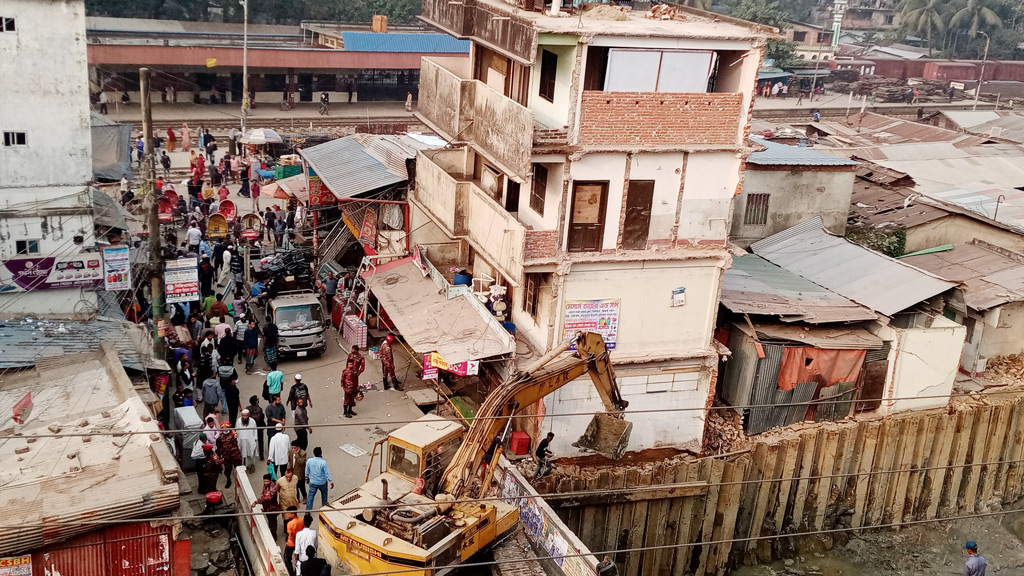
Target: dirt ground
928, 549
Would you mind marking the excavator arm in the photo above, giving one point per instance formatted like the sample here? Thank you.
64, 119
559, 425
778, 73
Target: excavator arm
526, 387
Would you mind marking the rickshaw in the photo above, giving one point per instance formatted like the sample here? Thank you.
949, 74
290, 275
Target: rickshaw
227, 208
252, 226
166, 209
217, 226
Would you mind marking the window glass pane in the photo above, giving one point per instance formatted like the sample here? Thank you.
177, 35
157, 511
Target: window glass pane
685, 71
633, 70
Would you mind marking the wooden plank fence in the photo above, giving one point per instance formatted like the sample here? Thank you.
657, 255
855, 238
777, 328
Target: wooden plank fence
910, 467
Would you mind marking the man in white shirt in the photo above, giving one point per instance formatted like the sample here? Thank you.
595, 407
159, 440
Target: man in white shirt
103, 102
194, 236
277, 452
305, 537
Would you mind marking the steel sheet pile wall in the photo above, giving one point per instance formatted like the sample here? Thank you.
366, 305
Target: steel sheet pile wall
919, 466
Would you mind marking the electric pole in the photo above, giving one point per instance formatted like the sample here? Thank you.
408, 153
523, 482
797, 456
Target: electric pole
153, 216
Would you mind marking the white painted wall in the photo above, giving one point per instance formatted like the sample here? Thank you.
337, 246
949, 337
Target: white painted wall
553, 114
665, 170
649, 328
552, 198
711, 180
926, 362
46, 95
683, 388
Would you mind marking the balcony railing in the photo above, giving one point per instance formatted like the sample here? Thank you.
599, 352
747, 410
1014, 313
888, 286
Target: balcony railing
465, 210
466, 110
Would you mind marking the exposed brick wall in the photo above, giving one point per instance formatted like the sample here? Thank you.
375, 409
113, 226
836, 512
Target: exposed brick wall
638, 118
540, 244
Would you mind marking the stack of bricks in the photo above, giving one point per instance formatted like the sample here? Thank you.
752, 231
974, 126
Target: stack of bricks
664, 119
540, 244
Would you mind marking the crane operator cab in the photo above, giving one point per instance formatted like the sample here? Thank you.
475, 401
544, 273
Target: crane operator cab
398, 521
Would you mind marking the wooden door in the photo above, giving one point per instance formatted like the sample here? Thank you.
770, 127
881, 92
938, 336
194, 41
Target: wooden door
586, 224
637, 221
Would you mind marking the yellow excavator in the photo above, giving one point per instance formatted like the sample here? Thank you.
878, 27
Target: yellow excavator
417, 516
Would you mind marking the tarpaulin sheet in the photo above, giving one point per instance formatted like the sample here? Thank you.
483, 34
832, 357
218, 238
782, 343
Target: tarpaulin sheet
111, 149
827, 367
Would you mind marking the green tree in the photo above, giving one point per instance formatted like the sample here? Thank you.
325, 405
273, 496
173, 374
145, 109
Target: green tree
974, 16
925, 17
769, 12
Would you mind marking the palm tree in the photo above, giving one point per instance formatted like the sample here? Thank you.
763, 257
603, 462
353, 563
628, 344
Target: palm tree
976, 15
925, 17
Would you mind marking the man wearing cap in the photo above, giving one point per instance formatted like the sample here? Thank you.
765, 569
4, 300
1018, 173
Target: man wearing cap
212, 467
976, 563
228, 450
277, 452
387, 363
247, 439
298, 390
268, 498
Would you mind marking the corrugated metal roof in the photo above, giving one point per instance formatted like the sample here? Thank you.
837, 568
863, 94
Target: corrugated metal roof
776, 154
991, 276
429, 43
850, 338
873, 205
1005, 124
456, 328
66, 481
755, 286
24, 341
362, 163
881, 283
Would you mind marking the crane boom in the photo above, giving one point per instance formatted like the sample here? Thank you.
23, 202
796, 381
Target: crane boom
523, 389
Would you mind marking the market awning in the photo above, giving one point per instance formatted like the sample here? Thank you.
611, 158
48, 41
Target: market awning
772, 74
458, 328
295, 186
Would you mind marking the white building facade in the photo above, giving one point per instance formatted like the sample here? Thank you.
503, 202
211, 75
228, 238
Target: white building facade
592, 169
48, 262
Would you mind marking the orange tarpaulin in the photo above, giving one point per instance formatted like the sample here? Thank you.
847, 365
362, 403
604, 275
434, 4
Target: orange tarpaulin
809, 364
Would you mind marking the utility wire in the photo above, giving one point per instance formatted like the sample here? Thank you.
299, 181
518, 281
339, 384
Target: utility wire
822, 401
569, 495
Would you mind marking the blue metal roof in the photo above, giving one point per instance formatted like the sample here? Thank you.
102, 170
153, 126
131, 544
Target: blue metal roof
403, 42
23, 340
783, 155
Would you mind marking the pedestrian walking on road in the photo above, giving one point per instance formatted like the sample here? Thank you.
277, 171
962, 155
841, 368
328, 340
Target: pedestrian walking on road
300, 419
297, 462
319, 475
274, 385
256, 413
299, 390
270, 341
976, 563
305, 541
387, 363
357, 361
350, 384
213, 396
269, 500
165, 162
277, 452
247, 438
544, 457
186, 138
252, 345
292, 527
172, 139
288, 486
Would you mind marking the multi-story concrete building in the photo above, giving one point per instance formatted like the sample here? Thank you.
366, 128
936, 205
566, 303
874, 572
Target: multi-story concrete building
592, 166
46, 212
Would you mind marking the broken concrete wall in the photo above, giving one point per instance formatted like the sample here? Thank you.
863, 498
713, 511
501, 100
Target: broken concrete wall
545, 531
254, 533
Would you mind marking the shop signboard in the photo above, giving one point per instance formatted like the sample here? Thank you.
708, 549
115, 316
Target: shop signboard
117, 268
181, 280
600, 316
49, 273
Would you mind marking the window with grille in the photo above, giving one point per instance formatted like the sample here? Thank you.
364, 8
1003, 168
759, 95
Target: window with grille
538, 190
7, 24
756, 212
26, 247
15, 139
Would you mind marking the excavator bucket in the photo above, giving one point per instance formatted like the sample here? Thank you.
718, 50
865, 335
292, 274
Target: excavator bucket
606, 435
